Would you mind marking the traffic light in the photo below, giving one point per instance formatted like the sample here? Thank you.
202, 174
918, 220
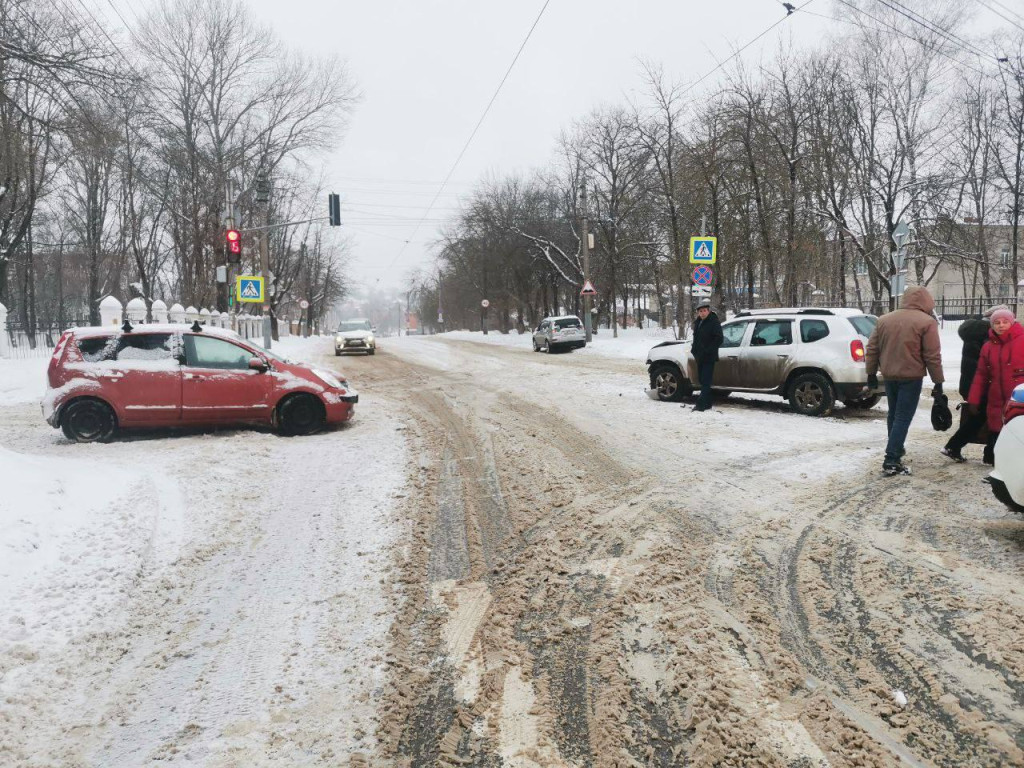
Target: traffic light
334, 209
234, 240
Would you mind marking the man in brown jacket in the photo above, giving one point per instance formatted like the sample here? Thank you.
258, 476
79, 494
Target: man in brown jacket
905, 344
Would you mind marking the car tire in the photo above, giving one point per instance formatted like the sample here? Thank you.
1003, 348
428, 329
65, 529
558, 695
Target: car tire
371, 351
669, 384
88, 421
300, 414
812, 394
863, 403
536, 346
337, 353
547, 346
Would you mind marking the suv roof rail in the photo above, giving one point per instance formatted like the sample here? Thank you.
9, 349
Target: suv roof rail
784, 311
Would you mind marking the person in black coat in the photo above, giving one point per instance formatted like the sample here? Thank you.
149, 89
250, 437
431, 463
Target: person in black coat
707, 338
974, 333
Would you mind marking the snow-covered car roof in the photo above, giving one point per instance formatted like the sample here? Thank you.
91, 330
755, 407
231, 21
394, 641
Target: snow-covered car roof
92, 331
561, 317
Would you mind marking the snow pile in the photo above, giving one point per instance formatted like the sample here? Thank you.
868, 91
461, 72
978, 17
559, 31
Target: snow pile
22, 381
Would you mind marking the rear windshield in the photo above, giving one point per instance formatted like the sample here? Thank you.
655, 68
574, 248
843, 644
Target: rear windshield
864, 324
96, 349
568, 322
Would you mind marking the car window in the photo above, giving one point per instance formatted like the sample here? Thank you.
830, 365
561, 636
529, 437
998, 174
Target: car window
146, 346
208, 352
813, 330
568, 322
732, 334
772, 333
354, 325
864, 324
96, 349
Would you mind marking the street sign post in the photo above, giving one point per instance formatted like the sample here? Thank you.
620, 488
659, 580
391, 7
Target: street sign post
303, 304
703, 250
250, 288
588, 289
702, 291
703, 275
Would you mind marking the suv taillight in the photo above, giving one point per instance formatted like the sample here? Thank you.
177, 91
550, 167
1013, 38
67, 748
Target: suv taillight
1014, 406
857, 350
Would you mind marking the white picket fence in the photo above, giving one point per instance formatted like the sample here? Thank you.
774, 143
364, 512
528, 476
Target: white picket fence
18, 343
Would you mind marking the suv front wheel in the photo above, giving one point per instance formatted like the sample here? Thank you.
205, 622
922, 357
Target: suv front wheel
668, 383
812, 394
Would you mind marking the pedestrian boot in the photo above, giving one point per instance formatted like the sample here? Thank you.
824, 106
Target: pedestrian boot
895, 468
954, 454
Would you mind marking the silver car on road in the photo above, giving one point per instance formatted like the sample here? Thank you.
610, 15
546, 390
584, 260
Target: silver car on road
562, 332
812, 357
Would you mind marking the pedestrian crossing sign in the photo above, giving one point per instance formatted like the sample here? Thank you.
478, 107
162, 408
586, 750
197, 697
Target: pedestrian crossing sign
250, 288
703, 250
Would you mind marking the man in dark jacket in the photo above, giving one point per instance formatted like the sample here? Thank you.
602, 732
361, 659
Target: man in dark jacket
707, 338
904, 346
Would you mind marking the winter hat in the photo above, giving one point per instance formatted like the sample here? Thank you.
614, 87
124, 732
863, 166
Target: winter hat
704, 303
1003, 314
992, 310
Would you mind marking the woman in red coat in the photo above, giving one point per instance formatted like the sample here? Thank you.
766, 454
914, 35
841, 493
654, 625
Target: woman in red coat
1000, 369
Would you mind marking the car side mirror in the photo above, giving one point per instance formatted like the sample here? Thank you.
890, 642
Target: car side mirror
373, 329
258, 364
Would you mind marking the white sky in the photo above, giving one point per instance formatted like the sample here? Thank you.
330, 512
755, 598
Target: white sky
427, 68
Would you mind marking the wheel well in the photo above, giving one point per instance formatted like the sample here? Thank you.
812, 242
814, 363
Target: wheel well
800, 372
668, 364
291, 395
63, 407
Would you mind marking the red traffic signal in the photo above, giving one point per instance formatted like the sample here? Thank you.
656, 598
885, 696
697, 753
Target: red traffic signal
234, 241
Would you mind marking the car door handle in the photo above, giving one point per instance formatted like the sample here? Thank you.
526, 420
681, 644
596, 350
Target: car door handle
112, 376
195, 377
780, 354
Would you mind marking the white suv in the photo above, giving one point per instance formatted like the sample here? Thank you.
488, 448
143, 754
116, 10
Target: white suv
355, 335
809, 356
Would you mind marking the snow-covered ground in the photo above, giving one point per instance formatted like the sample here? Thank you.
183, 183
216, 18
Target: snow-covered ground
180, 596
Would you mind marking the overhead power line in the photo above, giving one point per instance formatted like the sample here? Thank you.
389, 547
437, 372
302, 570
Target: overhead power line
897, 31
476, 128
1003, 16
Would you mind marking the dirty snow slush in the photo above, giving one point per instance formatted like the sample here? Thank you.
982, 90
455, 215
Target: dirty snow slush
602, 580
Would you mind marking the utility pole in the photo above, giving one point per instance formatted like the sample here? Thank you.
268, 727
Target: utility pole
263, 198
586, 261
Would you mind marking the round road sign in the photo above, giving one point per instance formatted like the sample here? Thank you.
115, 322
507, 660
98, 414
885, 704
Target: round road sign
304, 304
485, 303
702, 275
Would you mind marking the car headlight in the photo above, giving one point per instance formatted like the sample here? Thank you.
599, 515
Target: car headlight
369, 338
328, 378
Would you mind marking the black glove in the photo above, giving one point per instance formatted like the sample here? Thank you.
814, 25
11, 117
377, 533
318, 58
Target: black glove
973, 408
937, 390
872, 381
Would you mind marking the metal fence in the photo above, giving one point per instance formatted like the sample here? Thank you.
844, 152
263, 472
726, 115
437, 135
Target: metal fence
23, 342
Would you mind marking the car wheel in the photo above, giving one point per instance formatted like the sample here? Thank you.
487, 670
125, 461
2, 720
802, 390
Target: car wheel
536, 347
300, 414
547, 346
863, 403
371, 351
88, 421
337, 353
812, 395
669, 384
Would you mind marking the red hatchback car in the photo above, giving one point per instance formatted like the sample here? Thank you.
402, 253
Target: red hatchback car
103, 379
